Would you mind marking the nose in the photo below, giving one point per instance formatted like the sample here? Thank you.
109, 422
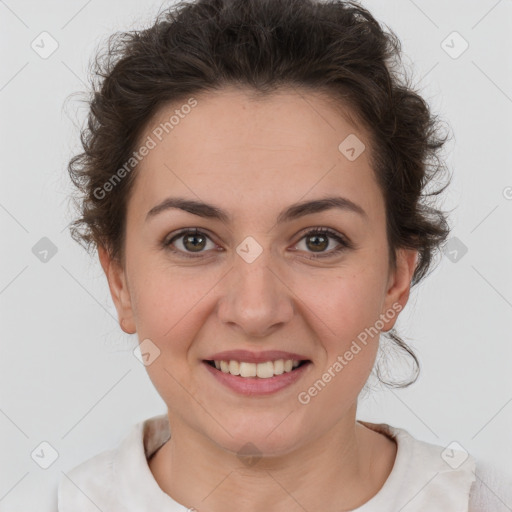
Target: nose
256, 299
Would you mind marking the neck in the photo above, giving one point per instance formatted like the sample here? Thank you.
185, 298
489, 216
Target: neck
346, 467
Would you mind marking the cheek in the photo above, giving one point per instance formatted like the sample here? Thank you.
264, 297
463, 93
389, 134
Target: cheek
171, 305
170, 311
346, 303
164, 304
342, 312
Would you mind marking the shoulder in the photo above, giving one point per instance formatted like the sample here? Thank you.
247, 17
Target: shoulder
95, 483
491, 490
450, 471
86, 487
425, 476
118, 479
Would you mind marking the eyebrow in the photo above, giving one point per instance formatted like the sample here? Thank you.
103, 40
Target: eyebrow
293, 212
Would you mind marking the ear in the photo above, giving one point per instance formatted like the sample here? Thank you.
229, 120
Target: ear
118, 285
399, 286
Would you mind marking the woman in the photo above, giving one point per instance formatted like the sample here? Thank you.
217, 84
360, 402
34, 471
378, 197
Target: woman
254, 179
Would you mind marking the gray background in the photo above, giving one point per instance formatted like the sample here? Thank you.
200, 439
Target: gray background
68, 373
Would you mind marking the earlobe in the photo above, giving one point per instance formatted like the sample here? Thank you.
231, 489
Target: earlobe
399, 286
119, 291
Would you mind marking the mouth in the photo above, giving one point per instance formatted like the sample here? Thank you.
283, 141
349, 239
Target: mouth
265, 370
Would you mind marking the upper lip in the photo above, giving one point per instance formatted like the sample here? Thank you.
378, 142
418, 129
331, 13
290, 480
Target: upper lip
255, 357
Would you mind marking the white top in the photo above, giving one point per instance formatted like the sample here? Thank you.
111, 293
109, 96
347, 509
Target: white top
425, 478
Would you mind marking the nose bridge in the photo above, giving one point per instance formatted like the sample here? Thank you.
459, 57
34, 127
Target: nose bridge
255, 297
254, 279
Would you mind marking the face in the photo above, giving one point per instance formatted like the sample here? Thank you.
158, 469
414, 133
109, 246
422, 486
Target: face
258, 276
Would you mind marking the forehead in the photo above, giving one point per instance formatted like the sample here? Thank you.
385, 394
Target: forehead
234, 149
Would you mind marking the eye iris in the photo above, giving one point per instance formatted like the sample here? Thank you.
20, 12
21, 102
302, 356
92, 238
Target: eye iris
194, 247
320, 246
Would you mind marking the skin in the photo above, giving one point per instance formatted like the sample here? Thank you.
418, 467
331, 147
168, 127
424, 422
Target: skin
253, 158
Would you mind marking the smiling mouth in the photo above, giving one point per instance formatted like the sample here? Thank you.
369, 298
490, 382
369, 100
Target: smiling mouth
257, 370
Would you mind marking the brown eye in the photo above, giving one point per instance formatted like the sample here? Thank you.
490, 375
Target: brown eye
194, 242
188, 242
318, 240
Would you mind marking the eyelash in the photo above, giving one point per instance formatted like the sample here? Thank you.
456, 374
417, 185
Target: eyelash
344, 243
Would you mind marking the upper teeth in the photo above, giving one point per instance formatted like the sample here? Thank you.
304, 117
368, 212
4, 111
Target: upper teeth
262, 370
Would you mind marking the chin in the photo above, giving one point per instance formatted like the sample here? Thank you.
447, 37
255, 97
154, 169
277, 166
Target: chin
257, 441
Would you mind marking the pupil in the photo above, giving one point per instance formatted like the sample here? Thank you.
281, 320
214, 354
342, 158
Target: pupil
194, 245
321, 245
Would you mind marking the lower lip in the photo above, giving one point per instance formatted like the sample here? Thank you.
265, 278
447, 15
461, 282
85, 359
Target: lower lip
257, 385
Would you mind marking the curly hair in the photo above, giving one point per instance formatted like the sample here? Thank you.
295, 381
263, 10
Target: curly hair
336, 47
